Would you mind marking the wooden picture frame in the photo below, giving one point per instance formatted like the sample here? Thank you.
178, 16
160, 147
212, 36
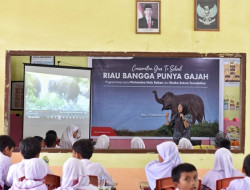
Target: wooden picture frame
206, 15
151, 10
17, 95
44, 60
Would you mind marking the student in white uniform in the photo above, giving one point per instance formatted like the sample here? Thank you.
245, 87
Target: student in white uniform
243, 183
41, 140
185, 177
137, 143
161, 168
50, 141
83, 150
30, 148
74, 176
102, 142
52, 132
7, 145
223, 168
69, 136
185, 144
35, 171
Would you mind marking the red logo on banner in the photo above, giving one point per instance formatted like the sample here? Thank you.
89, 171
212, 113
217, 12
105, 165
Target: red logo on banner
97, 131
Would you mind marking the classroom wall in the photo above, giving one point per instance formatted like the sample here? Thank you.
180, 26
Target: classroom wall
81, 25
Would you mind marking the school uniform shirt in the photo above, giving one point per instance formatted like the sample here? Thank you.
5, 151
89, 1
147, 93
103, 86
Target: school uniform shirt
35, 171
96, 169
156, 170
237, 184
5, 163
137, 143
67, 140
102, 142
17, 171
75, 176
223, 168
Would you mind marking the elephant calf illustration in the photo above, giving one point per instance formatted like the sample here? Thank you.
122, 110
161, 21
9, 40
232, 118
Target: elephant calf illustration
194, 103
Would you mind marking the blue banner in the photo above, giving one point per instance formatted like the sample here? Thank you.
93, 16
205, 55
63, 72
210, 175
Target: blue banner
123, 98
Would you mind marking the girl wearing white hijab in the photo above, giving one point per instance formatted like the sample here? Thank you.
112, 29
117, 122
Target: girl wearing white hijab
137, 143
74, 176
223, 168
185, 144
35, 171
102, 142
168, 158
243, 183
69, 136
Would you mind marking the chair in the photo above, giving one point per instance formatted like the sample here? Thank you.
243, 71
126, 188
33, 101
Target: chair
164, 183
168, 184
224, 183
52, 181
144, 185
93, 180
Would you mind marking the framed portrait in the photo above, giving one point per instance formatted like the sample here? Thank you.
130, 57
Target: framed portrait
17, 95
148, 17
44, 60
207, 15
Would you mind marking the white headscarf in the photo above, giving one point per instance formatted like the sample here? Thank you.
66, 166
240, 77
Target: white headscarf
137, 143
223, 168
185, 144
157, 170
74, 176
35, 171
67, 140
102, 142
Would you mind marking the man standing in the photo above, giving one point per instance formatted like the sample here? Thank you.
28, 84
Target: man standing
147, 21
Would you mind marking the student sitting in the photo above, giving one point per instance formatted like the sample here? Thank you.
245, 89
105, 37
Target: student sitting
245, 182
52, 132
224, 143
50, 141
69, 136
137, 143
102, 142
74, 176
83, 149
35, 171
7, 145
185, 144
30, 148
223, 168
41, 140
185, 177
168, 158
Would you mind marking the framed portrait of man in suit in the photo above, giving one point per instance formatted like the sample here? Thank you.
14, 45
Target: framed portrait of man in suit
147, 16
207, 15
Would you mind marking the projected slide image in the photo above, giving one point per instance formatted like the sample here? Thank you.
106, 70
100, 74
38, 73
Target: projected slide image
50, 95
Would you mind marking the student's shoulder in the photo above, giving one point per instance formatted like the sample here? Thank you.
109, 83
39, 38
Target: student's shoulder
16, 165
235, 184
4, 158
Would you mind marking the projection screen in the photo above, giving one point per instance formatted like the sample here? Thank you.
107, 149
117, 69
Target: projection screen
54, 98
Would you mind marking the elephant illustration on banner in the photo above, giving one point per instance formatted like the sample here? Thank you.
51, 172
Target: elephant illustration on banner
195, 104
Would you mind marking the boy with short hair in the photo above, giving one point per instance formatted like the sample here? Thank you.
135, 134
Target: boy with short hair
243, 183
83, 150
30, 148
52, 132
7, 145
185, 177
50, 141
